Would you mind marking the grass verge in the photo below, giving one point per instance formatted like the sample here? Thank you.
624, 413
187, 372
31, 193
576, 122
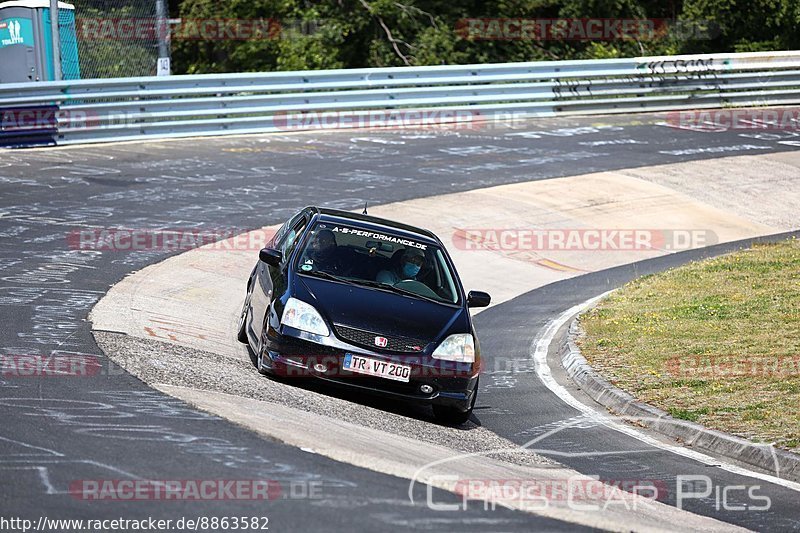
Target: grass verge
715, 342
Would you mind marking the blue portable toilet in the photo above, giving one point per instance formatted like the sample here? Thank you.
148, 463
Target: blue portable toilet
26, 43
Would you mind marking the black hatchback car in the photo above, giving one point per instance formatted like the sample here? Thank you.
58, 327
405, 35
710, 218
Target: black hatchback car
365, 303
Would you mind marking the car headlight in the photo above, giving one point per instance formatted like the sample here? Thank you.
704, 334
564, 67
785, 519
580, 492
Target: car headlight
459, 347
300, 315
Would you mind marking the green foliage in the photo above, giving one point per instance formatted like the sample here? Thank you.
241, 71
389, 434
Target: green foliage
745, 25
374, 33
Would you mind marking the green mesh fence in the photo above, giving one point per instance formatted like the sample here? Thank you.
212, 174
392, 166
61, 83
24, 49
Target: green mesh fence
116, 38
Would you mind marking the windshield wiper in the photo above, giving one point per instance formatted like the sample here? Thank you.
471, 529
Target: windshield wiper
327, 275
368, 283
398, 290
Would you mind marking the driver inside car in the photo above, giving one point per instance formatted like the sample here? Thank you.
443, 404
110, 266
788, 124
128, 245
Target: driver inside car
321, 254
411, 262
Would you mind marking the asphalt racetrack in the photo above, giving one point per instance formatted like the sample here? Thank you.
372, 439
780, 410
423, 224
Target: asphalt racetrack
60, 431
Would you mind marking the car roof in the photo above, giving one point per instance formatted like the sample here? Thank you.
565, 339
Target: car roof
337, 215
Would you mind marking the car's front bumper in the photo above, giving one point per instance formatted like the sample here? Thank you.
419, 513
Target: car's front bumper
294, 354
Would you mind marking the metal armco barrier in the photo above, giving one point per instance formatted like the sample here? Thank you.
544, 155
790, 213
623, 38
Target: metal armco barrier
123, 109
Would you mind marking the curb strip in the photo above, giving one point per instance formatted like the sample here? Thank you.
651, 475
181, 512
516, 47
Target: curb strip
780, 463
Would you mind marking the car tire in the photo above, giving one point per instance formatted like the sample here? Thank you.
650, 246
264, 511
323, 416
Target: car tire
452, 416
241, 330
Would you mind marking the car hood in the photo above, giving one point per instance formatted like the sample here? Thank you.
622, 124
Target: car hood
382, 312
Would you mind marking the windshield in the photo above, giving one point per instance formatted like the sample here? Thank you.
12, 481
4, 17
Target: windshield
378, 259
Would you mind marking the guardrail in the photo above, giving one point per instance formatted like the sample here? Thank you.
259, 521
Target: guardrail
122, 109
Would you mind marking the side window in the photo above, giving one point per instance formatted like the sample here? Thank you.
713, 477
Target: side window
289, 240
280, 235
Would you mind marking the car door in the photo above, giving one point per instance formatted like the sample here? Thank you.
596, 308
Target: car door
272, 280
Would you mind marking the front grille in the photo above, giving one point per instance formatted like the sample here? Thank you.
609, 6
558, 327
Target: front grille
366, 339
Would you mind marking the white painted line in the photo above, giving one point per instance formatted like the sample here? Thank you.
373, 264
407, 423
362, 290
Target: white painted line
539, 351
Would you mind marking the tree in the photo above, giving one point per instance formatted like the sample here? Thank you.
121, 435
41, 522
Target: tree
308, 34
744, 25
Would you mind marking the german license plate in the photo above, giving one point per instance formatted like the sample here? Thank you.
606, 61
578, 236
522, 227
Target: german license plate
376, 367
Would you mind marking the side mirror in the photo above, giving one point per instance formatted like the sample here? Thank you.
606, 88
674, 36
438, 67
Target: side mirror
478, 299
271, 256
